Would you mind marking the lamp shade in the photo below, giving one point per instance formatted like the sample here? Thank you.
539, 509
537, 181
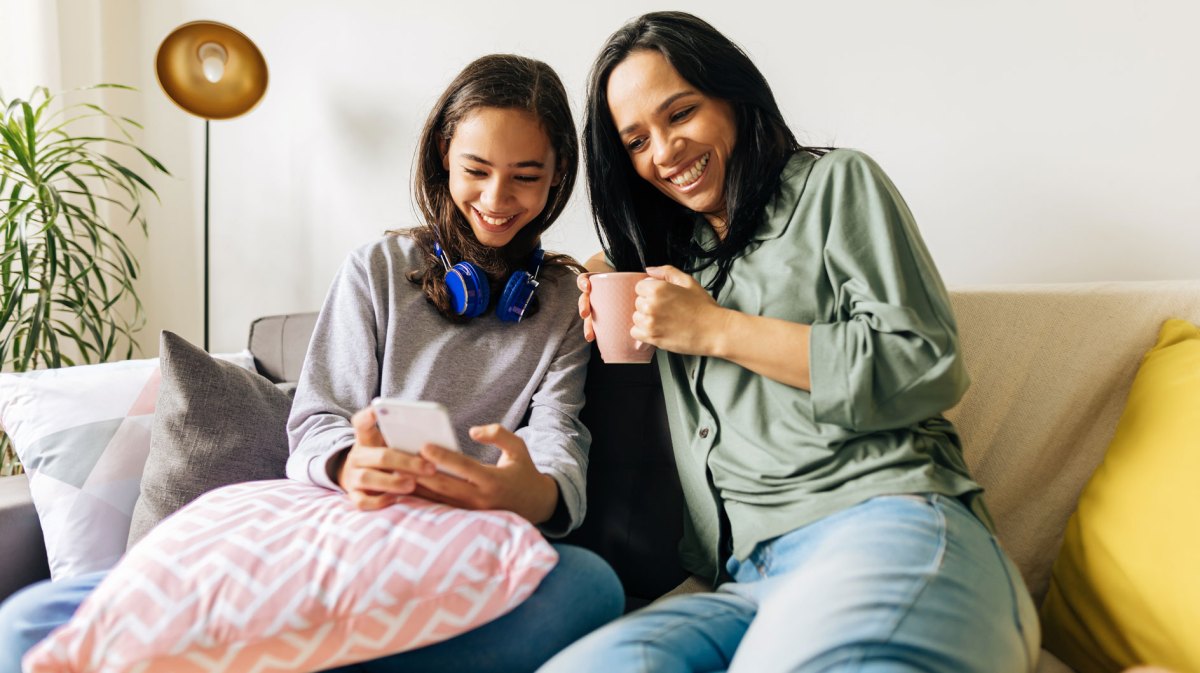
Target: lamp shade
211, 70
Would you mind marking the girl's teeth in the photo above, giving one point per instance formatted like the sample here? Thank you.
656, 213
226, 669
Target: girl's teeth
692, 174
495, 222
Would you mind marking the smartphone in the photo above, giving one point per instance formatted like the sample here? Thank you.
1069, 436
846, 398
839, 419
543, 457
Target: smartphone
408, 425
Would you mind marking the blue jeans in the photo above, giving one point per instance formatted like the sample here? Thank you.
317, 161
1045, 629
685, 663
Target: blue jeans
897, 583
579, 595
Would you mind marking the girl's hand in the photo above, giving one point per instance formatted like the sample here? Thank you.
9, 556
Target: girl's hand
513, 484
675, 313
373, 475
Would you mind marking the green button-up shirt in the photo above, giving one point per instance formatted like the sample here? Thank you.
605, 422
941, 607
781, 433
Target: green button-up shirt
838, 250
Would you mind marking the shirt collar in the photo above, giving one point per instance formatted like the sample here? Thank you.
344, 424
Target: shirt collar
782, 205
779, 209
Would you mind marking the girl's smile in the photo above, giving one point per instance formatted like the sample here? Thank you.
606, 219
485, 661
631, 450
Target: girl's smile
501, 166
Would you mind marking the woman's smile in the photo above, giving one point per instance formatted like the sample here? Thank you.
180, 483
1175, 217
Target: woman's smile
688, 178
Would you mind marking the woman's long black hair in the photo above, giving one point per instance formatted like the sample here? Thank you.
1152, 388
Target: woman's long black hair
503, 81
638, 225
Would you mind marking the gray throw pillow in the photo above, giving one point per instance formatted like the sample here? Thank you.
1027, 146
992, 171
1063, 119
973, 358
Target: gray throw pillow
215, 424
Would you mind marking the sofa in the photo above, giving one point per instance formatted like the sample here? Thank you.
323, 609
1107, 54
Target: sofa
1051, 366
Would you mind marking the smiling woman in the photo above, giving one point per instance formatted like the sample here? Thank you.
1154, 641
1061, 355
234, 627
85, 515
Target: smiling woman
793, 280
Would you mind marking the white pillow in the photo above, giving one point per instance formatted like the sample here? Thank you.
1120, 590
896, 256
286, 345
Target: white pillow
83, 434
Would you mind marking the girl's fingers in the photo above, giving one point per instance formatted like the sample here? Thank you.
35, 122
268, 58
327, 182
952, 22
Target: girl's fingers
366, 501
453, 462
450, 490
394, 460
438, 496
366, 432
380, 481
502, 438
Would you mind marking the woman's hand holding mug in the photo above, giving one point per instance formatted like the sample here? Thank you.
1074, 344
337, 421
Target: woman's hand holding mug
676, 313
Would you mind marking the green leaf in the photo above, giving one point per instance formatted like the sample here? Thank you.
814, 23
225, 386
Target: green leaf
12, 301
153, 162
30, 135
109, 85
16, 146
52, 257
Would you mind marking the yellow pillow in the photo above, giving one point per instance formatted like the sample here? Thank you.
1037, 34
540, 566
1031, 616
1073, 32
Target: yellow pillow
1126, 584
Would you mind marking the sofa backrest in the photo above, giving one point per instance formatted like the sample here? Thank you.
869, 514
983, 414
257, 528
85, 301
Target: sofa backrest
279, 343
1051, 366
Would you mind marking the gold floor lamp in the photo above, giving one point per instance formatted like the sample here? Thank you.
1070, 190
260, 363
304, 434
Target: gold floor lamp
214, 72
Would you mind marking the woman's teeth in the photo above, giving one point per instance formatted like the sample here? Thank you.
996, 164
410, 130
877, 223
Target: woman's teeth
692, 174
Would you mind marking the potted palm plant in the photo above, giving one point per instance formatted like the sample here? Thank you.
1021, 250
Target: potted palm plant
66, 273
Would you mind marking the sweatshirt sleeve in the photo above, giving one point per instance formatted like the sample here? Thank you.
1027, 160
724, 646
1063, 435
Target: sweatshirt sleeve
891, 357
558, 441
340, 376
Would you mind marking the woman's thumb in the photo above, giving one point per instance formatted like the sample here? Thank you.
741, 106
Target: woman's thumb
670, 274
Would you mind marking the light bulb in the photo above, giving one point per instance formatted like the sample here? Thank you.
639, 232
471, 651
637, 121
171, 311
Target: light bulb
212, 60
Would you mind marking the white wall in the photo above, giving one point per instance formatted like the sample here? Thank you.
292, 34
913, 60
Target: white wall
1034, 141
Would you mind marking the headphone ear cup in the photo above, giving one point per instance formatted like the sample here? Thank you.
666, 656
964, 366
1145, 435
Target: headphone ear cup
517, 294
468, 289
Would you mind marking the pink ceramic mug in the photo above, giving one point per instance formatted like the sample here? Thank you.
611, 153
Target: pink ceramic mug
612, 298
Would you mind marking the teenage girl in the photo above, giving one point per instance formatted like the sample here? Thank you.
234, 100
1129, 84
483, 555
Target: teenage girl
467, 311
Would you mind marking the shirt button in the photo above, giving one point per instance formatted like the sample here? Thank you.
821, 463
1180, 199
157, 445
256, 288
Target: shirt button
703, 433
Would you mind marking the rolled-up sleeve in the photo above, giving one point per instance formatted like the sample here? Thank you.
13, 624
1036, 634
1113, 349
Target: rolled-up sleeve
891, 356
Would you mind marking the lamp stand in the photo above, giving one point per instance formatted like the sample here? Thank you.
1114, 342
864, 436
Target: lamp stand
206, 235
213, 71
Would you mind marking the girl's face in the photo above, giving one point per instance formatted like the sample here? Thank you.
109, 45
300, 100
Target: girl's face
679, 139
501, 166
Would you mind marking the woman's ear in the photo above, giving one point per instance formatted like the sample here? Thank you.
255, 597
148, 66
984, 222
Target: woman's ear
444, 148
559, 172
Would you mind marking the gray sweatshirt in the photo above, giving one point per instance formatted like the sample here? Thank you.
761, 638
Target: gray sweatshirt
378, 336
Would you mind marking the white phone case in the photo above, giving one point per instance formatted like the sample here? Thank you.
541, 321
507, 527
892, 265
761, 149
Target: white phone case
408, 425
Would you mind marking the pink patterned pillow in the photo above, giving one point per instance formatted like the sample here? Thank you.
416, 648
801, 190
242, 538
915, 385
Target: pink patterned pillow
281, 576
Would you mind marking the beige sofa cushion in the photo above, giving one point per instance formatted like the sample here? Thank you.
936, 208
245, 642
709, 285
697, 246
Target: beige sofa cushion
1051, 366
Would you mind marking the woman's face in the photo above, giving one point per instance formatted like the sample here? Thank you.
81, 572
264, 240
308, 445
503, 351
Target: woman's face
679, 139
502, 167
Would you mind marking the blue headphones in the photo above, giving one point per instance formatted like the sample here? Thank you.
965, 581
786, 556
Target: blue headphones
469, 293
